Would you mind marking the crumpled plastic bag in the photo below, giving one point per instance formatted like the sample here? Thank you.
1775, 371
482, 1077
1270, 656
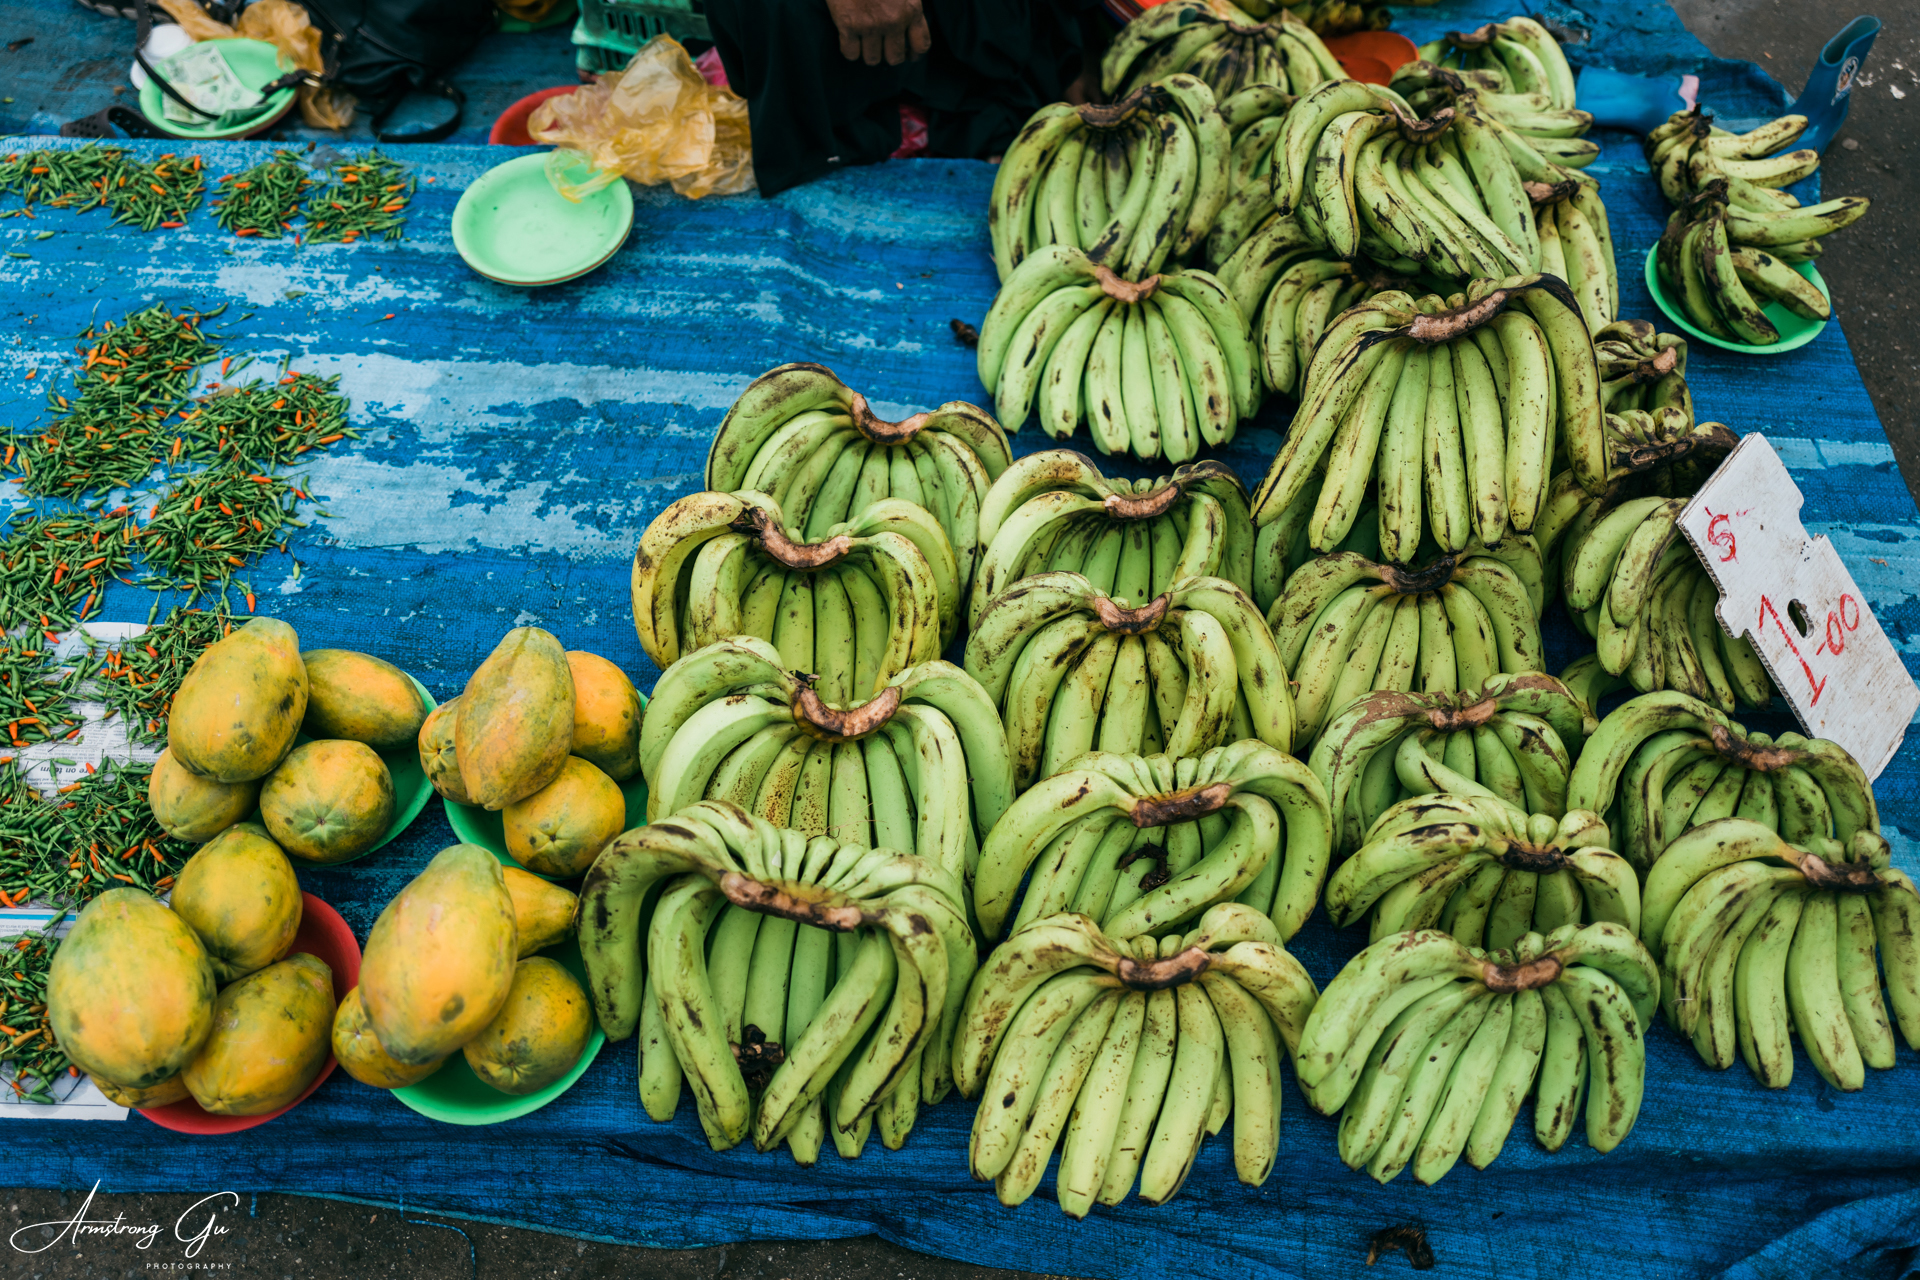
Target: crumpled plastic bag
656, 120
286, 26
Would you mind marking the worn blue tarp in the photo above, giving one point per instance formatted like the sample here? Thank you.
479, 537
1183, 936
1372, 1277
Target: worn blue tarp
515, 445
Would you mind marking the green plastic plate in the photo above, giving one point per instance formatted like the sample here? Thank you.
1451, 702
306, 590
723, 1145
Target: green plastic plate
256, 64
454, 1095
512, 226
1795, 331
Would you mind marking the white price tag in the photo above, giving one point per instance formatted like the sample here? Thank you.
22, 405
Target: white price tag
1794, 599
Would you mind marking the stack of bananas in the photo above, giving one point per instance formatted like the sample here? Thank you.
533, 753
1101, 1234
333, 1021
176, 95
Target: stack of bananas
1155, 367
1757, 936
922, 767
1484, 872
1428, 1048
1144, 844
1513, 736
1226, 48
1346, 626
1662, 764
1689, 153
1127, 1054
1134, 184
1641, 369
812, 444
1053, 511
879, 593
1457, 405
1074, 670
1520, 76
1576, 244
803, 987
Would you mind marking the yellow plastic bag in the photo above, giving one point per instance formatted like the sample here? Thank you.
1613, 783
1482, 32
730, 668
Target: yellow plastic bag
654, 121
286, 26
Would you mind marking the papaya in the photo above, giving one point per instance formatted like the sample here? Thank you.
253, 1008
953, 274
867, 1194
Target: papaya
606, 715
130, 991
239, 894
192, 808
272, 1031
542, 911
240, 704
516, 719
538, 1034
437, 758
560, 829
359, 1051
169, 1091
328, 801
361, 698
440, 959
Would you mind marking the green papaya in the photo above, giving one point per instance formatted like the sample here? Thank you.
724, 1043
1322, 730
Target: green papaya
241, 704
361, 698
516, 719
239, 894
130, 991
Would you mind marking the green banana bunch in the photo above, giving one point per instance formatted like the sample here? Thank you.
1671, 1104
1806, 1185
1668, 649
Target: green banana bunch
1483, 871
1688, 154
1347, 626
1332, 17
1456, 405
1144, 844
1224, 47
803, 986
921, 767
1253, 117
1136, 184
1641, 369
1664, 763
879, 593
1759, 939
1518, 71
1576, 244
1512, 737
1053, 511
1074, 670
1723, 266
806, 439
1154, 368
1127, 1053
1427, 1047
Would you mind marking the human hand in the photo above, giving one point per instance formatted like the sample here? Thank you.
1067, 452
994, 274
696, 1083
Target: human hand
873, 30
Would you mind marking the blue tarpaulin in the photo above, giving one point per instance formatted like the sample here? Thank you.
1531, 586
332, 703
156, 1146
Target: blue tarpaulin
515, 443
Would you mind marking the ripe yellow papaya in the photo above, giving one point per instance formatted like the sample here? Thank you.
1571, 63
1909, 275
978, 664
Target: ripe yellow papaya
361, 698
328, 801
437, 758
440, 959
542, 910
360, 1052
560, 829
516, 719
241, 704
190, 807
166, 1093
130, 991
538, 1035
239, 894
606, 715
270, 1038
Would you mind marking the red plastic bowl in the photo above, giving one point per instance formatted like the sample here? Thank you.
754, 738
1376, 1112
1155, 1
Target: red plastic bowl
1364, 55
510, 130
323, 934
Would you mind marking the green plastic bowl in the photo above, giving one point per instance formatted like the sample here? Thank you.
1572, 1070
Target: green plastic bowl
454, 1095
256, 64
513, 228
1795, 331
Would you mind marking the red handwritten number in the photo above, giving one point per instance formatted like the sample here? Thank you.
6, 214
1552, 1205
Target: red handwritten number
1838, 625
1767, 610
1846, 600
1720, 534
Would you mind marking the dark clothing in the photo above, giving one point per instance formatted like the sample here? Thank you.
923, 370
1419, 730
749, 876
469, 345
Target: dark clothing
992, 64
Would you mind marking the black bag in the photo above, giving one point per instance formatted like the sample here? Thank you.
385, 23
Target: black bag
382, 50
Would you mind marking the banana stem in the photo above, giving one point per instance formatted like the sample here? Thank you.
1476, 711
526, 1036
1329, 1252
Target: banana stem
795, 555
1180, 806
1168, 971
878, 429
1131, 622
834, 724
828, 912
1506, 979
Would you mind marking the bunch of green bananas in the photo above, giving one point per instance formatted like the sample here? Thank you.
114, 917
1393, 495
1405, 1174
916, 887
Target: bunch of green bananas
878, 594
1688, 154
1458, 405
1253, 117
1341, 17
1227, 48
1143, 844
1714, 257
1664, 763
1576, 244
1427, 1047
1757, 936
1483, 871
1641, 369
1127, 1054
1135, 184
802, 986
1346, 626
1512, 736
921, 767
1155, 368
809, 441
1074, 670
1520, 75
1054, 511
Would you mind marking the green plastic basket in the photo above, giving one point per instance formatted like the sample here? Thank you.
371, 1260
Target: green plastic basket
625, 25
